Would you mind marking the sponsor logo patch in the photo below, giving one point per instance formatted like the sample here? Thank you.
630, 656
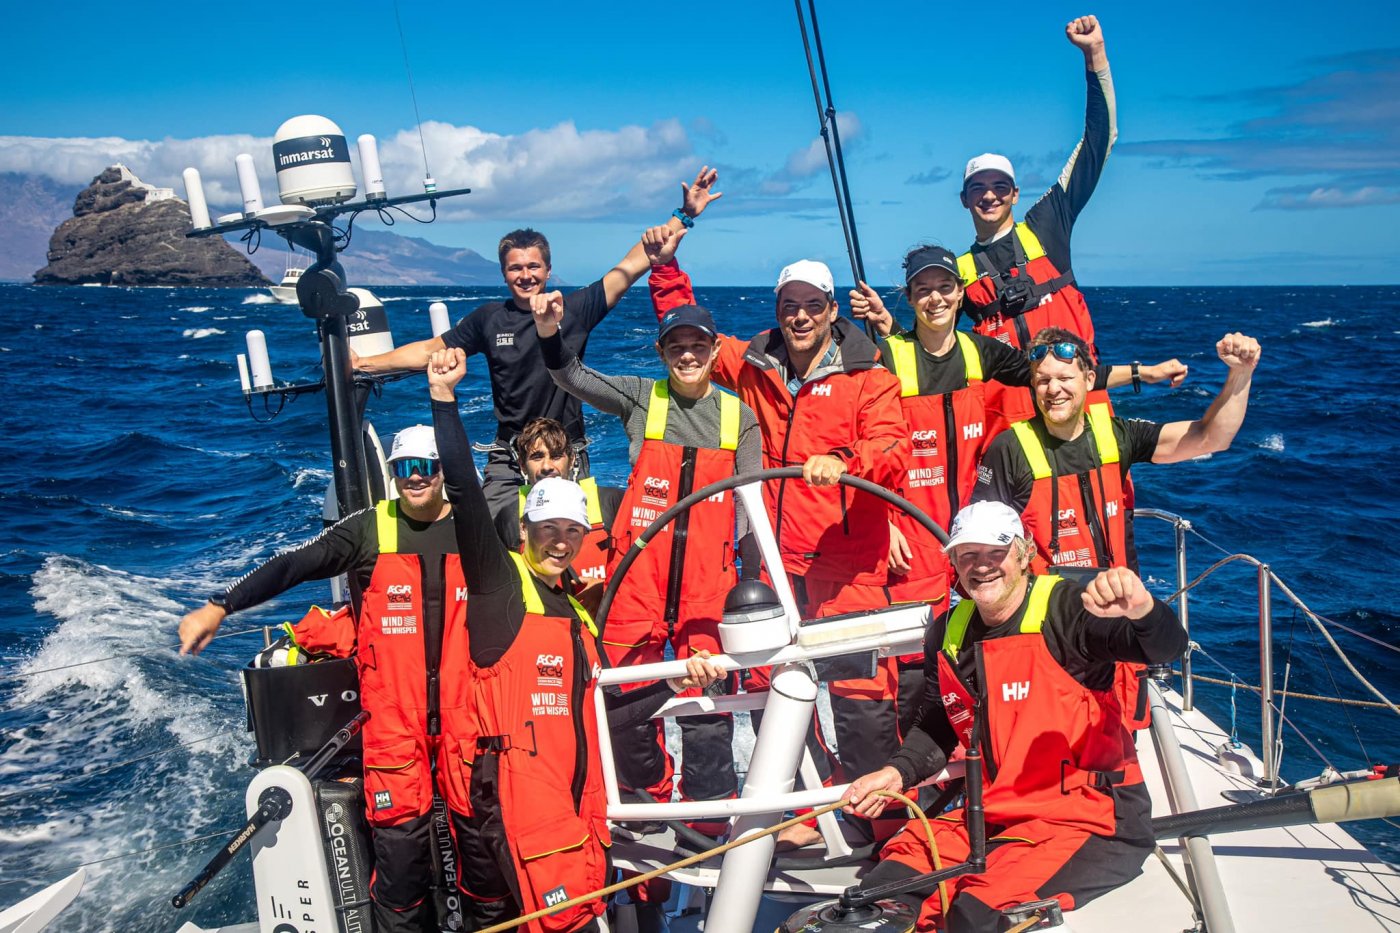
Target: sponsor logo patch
551, 670
555, 897
505, 340
382, 800
398, 625
925, 443
400, 597
656, 490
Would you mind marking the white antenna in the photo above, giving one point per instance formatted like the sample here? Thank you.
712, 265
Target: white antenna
194, 193
248, 184
429, 185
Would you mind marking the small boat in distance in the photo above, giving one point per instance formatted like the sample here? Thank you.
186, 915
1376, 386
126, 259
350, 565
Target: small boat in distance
285, 291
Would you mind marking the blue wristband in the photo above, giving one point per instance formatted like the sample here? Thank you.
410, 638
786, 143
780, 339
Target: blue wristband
686, 220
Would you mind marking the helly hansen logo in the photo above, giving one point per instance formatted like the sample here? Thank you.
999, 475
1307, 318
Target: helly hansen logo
1015, 690
400, 596
592, 573
821, 390
925, 443
382, 800
555, 897
971, 431
461, 593
1111, 508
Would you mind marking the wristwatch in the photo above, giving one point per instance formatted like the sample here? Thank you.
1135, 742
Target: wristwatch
1137, 379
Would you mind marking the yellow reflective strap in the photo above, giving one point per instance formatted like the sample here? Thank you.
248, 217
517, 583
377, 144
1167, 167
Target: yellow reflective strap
728, 421
584, 616
958, 621
1032, 448
533, 603
1101, 423
595, 508
1029, 241
904, 362
972, 360
967, 268
386, 526
1038, 603
524, 495
656, 410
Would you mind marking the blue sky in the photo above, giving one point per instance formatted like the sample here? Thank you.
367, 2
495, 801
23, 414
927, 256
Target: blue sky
1258, 144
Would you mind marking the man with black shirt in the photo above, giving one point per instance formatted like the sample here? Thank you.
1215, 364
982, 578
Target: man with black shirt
504, 332
1018, 275
1033, 657
411, 653
1065, 469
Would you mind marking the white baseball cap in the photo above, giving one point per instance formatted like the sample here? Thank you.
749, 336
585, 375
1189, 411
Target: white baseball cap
556, 497
417, 441
810, 271
989, 162
987, 522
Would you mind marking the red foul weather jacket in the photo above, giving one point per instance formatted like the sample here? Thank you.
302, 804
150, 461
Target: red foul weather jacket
851, 412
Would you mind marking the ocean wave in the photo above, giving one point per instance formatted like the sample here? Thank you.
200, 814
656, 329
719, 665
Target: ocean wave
198, 309
261, 298
1272, 442
1325, 322
198, 333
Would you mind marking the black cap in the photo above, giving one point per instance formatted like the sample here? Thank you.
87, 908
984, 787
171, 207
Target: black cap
929, 257
687, 316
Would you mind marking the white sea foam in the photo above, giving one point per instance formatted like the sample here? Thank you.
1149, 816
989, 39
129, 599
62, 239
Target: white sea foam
198, 309
261, 298
1325, 322
1273, 442
311, 475
91, 717
198, 333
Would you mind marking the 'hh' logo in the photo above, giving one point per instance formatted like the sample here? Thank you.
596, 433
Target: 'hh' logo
1110, 508
1016, 690
555, 897
821, 390
972, 430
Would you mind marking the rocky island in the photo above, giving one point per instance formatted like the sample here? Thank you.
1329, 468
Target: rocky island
126, 232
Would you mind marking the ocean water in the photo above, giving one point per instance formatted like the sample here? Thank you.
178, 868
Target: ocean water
135, 480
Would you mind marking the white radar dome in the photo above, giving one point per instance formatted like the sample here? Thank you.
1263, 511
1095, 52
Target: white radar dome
313, 162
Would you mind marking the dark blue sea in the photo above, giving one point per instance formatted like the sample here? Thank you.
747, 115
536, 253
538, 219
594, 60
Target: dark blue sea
134, 482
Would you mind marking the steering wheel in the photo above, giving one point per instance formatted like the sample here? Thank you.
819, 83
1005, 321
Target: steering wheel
700, 495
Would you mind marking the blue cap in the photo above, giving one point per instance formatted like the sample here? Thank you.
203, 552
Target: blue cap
687, 316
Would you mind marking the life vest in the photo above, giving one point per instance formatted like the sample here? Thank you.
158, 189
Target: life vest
1051, 746
1071, 529
689, 564
948, 434
412, 676
535, 714
591, 564
1052, 300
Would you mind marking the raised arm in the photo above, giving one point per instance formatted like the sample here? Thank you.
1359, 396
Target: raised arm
1081, 173
616, 395
1216, 429
695, 196
409, 356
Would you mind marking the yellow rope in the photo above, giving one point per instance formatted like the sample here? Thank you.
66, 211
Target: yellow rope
718, 850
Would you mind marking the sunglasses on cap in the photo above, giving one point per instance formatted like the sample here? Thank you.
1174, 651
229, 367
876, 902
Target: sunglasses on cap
1064, 350
423, 466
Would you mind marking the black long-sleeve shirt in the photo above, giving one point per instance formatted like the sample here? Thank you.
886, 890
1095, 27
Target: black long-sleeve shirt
496, 606
1085, 645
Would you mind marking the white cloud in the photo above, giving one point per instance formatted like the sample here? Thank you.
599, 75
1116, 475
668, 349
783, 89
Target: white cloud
553, 173
810, 160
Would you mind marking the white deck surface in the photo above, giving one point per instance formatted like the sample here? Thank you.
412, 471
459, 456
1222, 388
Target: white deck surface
1306, 878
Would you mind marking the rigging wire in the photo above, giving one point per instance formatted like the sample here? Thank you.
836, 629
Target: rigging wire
112, 858
403, 44
14, 675
831, 140
84, 775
